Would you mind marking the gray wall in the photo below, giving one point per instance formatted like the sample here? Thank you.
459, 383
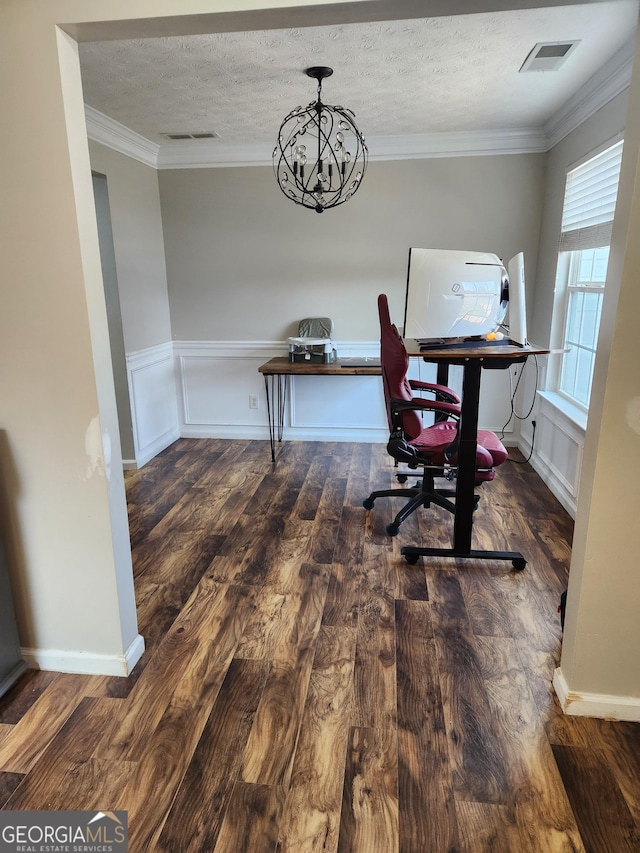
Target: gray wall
139, 247
244, 263
114, 314
596, 130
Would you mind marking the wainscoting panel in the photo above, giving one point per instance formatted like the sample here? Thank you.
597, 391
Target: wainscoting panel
351, 405
152, 390
212, 389
217, 391
219, 383
557, 458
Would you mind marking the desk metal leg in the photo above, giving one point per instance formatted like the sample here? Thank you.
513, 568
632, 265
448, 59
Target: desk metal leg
465, 482
466, 478
276, 386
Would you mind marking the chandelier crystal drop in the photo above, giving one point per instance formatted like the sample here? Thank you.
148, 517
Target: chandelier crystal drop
321, 156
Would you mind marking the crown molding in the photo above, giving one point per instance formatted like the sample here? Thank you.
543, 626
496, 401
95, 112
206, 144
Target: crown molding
109, 132
457, 144
207, 154
612, 79
213, 154
210, 153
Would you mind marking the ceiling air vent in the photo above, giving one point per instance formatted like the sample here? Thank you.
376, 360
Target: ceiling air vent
548, 56
179, 136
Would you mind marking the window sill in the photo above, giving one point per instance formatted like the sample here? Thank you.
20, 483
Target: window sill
573, 413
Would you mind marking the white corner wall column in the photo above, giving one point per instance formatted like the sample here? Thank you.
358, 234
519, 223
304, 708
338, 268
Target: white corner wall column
70, 559
599, 674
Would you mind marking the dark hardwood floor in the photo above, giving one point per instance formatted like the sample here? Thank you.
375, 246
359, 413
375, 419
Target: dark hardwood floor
305, 689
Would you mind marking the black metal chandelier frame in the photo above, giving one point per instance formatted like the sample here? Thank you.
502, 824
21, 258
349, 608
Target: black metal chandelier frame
329, 134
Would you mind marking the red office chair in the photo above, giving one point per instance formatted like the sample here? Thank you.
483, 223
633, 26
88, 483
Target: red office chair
433, 448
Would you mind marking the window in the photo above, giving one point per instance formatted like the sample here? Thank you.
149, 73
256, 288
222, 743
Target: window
587, 273
587, 217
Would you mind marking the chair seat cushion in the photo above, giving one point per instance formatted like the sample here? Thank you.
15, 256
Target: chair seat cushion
434, 440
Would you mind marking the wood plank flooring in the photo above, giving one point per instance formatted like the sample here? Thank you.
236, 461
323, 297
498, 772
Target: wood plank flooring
304, 689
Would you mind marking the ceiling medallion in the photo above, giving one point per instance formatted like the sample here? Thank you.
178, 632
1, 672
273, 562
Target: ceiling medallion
321, 156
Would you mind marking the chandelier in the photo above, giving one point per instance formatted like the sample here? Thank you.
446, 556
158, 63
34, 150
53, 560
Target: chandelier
321, 156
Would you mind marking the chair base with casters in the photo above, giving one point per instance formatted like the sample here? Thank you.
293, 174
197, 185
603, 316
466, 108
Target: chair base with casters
423, 496
412, 553
433, 451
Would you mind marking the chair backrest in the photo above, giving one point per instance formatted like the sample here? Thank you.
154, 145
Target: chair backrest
394, 362
315, 327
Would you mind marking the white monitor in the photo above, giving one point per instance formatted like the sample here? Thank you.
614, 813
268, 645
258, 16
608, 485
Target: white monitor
517, 316
453, 294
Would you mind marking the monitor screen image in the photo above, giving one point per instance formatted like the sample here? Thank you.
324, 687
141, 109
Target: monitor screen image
454, 294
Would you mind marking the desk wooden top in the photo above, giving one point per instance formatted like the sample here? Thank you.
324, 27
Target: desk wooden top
464, 352
282, 366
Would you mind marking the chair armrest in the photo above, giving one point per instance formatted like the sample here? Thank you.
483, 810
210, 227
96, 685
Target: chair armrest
420, 404
448, 393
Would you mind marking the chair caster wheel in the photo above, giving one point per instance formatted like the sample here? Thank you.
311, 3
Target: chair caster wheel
392, 529
412, 559
519, 563
401, 478
367, 503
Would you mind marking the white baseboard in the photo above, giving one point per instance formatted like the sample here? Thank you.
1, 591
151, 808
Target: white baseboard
86, 663
147, 453
290, 433
595, 704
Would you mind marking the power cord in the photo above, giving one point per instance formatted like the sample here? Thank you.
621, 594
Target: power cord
513, 414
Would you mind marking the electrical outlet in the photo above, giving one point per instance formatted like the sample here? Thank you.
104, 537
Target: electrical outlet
253, 401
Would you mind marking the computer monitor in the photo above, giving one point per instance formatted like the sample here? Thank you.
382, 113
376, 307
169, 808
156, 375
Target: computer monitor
454, 294
517, 317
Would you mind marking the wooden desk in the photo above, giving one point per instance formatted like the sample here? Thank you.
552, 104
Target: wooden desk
473, 359
276, 374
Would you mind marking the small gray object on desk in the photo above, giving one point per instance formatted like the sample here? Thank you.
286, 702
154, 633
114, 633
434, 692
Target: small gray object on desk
313, 343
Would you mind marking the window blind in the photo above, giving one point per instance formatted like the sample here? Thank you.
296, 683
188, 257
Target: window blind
590, 201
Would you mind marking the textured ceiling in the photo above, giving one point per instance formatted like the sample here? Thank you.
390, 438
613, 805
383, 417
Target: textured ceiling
414, 76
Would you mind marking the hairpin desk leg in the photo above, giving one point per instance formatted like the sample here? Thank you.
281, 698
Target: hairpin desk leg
276, 385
